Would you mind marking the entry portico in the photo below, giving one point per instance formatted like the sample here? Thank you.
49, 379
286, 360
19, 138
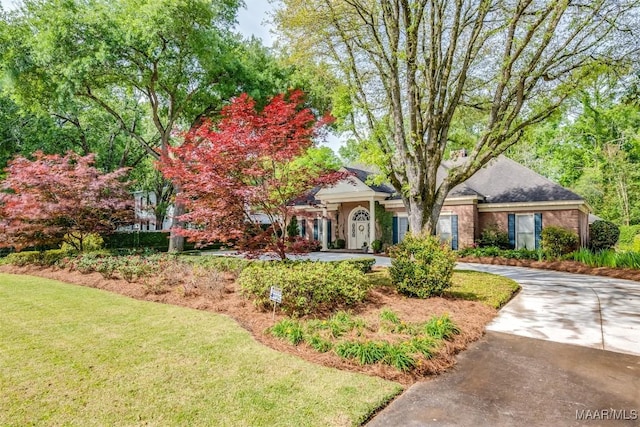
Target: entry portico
349, 209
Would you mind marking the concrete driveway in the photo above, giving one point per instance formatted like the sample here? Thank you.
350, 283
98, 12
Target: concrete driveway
590, 311
508, 380
525, 372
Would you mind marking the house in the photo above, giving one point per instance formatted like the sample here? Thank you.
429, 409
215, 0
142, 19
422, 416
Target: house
145, 217
504, 194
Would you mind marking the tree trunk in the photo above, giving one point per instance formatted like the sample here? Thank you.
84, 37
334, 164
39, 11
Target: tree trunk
176, 242
423, 218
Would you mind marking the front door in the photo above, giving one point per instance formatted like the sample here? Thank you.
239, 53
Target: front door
359, 229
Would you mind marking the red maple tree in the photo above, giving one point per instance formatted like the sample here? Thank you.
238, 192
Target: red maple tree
54, 198
246, 168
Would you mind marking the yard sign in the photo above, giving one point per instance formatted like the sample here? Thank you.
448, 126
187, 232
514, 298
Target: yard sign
275, 295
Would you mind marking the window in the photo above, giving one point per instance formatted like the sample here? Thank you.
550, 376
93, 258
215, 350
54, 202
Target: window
525, 232
360, 215
303, 228
403, 227
443, 229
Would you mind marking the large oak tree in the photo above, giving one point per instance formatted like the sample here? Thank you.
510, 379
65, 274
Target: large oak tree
412, 68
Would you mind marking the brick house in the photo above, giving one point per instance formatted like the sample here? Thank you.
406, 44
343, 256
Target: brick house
504, 193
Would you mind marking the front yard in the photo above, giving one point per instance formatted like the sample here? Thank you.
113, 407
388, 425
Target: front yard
78, 355
81, 356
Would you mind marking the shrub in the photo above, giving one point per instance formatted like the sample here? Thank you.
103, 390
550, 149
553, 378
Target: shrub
223, 264
92, 242
293, 229
558, 241
307, 287
341, 244
492, 251
636, 244
376, 245
363, 264
603, 235
627, 235
158, 240
492, 236
422, 267
45, 259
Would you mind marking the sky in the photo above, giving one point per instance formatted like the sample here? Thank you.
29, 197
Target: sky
252, 20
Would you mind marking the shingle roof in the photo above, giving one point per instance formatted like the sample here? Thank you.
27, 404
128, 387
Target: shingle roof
506, 181
502, 180
363, 175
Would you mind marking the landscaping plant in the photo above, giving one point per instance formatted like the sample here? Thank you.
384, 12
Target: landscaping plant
307, 286
603, 235
558, 241
54, 199
422, 266
405, 345
492, 236
250, 161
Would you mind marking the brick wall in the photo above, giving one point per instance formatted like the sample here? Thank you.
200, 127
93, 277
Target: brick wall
467, 222
571, 219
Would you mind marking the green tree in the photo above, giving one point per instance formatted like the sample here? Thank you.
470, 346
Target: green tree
411, 68
151, 68
593, 147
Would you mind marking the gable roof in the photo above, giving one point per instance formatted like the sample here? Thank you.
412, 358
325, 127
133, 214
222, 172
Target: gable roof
363, 176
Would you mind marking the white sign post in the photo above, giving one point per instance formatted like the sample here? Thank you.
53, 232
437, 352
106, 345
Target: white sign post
275, 295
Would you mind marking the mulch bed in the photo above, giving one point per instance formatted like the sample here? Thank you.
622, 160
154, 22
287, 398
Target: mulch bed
471, 317
566, 266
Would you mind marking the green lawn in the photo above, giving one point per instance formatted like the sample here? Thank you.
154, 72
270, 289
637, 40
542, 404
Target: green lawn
71, 355
490, 289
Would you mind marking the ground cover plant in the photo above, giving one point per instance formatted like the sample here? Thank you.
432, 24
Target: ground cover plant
388, 340
75, 355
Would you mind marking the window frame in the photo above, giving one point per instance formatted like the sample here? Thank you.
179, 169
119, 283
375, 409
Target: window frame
519, 233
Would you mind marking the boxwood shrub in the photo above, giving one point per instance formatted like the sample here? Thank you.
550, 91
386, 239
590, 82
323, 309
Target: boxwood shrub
422, 267
363, 264
307, 287
158, 240
41, 258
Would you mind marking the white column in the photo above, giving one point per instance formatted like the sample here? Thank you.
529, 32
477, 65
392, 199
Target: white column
372, 223
325, 238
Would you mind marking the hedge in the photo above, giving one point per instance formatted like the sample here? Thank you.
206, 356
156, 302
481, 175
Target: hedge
158, 240
308, 287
